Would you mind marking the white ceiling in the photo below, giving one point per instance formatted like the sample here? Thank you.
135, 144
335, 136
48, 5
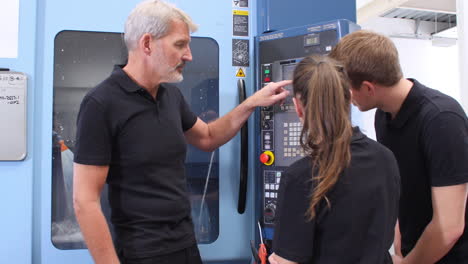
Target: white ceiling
449, 6
368, 9
432, 16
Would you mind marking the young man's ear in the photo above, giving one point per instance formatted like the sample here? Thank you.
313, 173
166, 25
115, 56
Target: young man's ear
299, 108
368, 88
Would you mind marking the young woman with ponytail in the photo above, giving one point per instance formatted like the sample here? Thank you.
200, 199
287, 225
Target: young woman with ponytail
339, 204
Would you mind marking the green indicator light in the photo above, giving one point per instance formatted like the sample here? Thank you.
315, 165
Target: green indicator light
267, 71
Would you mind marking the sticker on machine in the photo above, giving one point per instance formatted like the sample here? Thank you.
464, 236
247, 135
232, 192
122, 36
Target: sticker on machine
240, 3
240, 23
240, 52
240, 72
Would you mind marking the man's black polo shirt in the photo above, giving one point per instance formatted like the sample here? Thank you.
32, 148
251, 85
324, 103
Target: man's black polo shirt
359, 225
142, 140
429, 137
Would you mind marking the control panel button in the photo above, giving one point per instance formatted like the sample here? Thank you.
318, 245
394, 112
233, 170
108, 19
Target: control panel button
267, 158
269, 213
264, 158
266, 125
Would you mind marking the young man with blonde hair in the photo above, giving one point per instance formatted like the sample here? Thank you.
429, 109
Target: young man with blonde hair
428, 133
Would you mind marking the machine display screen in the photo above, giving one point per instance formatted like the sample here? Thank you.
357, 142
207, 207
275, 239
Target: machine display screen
287, 74
311, 40
288, 71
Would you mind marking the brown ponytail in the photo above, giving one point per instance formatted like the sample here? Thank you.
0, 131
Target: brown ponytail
323, 89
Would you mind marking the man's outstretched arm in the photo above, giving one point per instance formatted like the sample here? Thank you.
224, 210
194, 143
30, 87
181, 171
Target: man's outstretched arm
210, 136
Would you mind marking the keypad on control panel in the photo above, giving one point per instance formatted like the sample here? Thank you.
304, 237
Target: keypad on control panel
291, 140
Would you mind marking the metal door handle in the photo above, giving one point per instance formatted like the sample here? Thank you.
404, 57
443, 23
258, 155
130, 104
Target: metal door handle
243, 177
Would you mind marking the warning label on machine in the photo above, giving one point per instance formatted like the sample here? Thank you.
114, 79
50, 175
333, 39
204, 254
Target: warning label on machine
240, 72
240, 52
240, 3
240, 23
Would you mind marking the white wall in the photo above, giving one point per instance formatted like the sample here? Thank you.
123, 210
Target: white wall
436, 67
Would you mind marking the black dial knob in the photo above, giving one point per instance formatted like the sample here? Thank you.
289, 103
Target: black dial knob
266, 125
269, 213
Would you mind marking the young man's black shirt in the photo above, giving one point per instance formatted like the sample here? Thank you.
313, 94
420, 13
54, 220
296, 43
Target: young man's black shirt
429, 137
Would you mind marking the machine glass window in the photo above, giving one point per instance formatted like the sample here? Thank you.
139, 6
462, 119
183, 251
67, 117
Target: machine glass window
81, 61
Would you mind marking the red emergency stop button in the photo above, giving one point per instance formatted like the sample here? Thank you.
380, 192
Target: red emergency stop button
267, 158
264, 158
267, 79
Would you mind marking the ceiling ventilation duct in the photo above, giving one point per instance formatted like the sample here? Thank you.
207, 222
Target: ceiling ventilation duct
432, 19
443, 22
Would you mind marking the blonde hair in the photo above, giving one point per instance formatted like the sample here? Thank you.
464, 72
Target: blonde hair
368, 56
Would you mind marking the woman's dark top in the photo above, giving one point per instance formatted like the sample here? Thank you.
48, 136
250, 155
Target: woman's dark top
359, 225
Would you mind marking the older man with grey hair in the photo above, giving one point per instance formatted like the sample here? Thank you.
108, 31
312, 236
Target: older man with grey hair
132, 131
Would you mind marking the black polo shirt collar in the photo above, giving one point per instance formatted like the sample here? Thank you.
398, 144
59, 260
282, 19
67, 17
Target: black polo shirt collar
357, 134
129, 85
409, 106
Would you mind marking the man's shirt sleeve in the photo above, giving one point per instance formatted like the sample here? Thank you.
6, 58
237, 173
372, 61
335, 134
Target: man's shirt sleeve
445, 144
187, 117
93, 134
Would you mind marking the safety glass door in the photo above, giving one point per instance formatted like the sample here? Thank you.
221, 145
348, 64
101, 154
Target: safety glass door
82, 59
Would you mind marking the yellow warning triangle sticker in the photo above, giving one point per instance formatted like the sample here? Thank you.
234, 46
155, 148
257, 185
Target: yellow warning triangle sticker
240, 73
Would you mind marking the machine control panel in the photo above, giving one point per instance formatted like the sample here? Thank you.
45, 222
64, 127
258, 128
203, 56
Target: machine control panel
271, 186
279, 128
280, 131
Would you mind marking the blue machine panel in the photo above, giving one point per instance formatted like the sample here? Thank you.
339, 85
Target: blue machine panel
279, 127
277, 15
224, 233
